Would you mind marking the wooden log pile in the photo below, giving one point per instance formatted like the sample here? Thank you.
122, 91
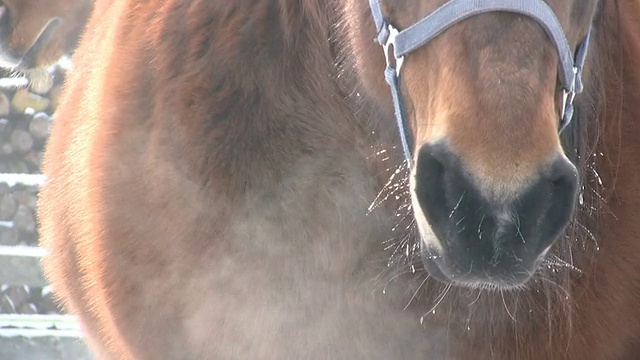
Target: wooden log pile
25, 120
26, 111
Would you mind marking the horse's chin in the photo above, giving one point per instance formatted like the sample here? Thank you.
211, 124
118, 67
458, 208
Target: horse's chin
442, 268
438, 271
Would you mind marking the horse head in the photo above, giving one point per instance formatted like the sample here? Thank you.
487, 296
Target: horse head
483, 98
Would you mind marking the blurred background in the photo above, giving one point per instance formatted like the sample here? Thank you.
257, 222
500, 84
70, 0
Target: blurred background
32, 326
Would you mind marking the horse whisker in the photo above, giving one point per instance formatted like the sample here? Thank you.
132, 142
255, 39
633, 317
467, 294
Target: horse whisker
416, 292
505, 306
439, 299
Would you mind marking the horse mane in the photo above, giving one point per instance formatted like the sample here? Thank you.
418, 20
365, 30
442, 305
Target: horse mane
599, 106
594, 106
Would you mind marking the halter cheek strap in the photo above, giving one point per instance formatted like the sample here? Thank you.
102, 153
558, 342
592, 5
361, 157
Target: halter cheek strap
454, 11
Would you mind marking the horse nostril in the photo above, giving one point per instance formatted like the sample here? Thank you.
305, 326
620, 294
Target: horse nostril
6, 20
549, 204
4, 14
430, 182
563, 173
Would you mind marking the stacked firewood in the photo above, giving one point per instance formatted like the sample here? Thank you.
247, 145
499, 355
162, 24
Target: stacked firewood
25, 119
27, 300
26, 113
17, 214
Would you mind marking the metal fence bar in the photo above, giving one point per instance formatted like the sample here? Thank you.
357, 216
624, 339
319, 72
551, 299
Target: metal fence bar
38, 344
39, 337
20, 265
24, 179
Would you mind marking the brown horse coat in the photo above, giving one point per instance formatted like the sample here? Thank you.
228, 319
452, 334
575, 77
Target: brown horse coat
209, 179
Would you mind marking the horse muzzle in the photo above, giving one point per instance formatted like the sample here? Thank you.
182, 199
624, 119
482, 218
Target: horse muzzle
473, 239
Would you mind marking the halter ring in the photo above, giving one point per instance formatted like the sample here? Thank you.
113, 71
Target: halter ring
391, 41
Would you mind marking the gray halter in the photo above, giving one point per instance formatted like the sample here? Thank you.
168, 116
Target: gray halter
454, 11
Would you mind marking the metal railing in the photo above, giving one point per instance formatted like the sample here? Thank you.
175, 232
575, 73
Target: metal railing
33, 336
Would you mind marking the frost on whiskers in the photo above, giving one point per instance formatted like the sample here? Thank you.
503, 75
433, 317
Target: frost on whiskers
549, 292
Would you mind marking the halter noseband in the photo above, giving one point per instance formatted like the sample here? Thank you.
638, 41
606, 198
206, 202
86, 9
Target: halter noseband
454, 11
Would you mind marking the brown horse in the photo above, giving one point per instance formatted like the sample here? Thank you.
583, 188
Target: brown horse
36, 33
211, 173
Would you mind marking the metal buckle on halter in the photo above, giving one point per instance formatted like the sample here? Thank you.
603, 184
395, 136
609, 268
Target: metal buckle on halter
570, 95
567, 99
391, 41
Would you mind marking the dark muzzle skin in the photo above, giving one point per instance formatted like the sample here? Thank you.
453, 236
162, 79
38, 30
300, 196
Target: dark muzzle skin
486, 241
